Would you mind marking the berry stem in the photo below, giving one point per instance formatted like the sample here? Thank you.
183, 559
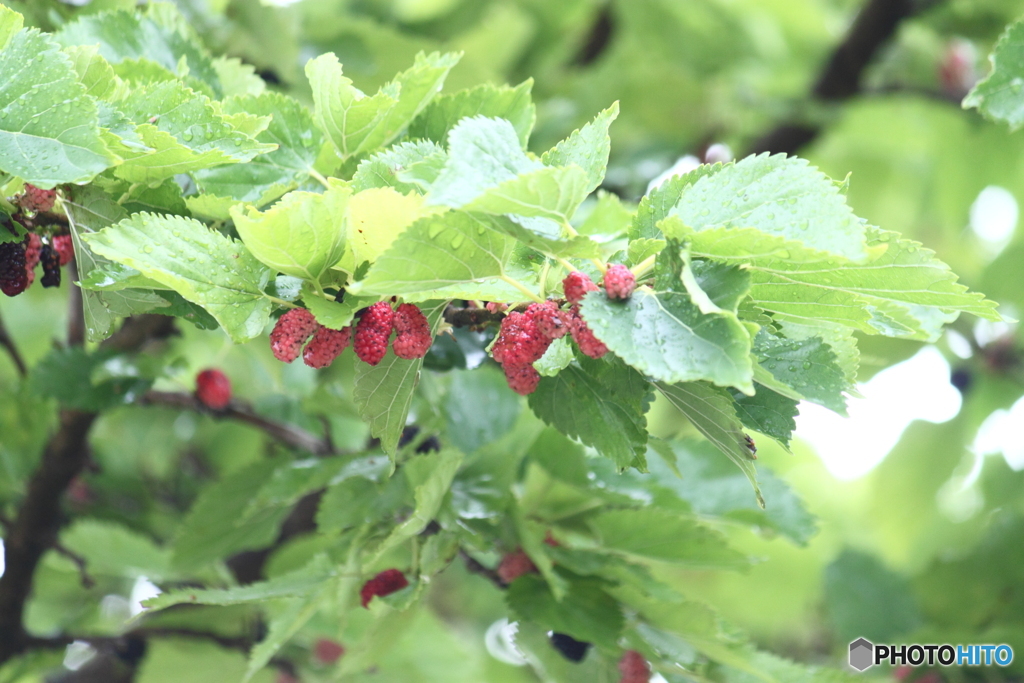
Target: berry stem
644, 267
281, 302
600, 265
522, 288
543, 287
319, 178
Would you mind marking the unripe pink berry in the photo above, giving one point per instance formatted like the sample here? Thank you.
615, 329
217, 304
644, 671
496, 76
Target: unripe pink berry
576, 285
290, 332
619, 282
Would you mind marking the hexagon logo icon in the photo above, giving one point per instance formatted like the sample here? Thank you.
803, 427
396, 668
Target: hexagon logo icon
861, 654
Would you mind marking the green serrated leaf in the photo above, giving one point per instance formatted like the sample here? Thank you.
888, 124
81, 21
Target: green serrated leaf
601, 403
383, 392
183, 132
587, 148
665, 536
544, 235
67, 376
778, 195
49, 127
430, 476
895, 293
808, 365
94, 72
302, 235
1000, 95
202, 265
438, 251
658, 203
89, 209
406, 167
713, 412
356, 123
502, 102
483, 153
586, 613
334, 314
160, 34
298, 583
666, 336
770, 413
269, 175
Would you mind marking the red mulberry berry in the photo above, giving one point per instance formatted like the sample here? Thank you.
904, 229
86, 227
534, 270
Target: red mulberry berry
13, 273
522, 378
385, 583
35, 199
65, 246
327, 651
584, 337
414, 338
325, 346
519, 340
50, 259
514, 565
213, 389
33, 248
496, 307
290, 332
549, 319
633, 668
373, 331
619, 282
576, 285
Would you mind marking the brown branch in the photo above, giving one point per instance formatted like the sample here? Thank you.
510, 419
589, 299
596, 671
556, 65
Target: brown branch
34, 530
841, 78
289, 435
471, 317
76, 312
12, 350
79, 562
475, 567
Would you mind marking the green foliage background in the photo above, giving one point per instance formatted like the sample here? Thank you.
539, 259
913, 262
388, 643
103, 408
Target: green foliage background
877, 557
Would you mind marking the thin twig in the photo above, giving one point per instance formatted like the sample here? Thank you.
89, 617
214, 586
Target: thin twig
8, 343
476, 568
80, 563
289, 435
76, 311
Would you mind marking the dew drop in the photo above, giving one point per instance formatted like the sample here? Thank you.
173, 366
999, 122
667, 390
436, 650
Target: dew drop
807, 365
434, 230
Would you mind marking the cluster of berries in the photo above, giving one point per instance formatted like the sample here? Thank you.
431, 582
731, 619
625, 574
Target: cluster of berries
524, 337
387, 582
634, 668
18, 261
372, 332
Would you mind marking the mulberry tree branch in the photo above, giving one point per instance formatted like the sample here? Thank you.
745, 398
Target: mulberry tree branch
842, 76
34, 529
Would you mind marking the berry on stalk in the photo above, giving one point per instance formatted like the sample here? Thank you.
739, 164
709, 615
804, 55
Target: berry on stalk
514, 565
325, 346
290, 332
372, 332
213, 389
65, 246
522, 378
414, 338
576, 285
584, 337
387, 582
36, 199
619, 282
549, 319
519, 341
33, 249
13, 274
327, 651
634, 668
50, 259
